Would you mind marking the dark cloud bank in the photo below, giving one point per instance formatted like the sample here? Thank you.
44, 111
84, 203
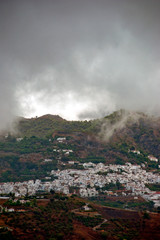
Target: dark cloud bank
97, 55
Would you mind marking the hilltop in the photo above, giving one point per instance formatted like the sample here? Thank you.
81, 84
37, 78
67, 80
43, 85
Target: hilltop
50, 143
135, 129
47, 124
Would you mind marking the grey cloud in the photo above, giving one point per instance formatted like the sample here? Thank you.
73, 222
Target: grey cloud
104, 53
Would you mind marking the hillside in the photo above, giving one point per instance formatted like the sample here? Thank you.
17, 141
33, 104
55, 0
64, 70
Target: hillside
47, 124
112, 139
134, 129
60, 217
51, 143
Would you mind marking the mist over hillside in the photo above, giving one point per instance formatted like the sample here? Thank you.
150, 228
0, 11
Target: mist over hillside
78, 59
135, 129
66, 68
44, 150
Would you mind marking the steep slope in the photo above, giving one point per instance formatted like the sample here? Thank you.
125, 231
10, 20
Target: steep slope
131, 129
109, 140
136, 130
47, 124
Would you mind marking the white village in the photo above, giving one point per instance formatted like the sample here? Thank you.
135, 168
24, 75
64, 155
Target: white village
133, 177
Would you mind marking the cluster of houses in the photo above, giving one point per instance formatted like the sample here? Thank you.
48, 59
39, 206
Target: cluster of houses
150, 157
61, 139
64, 151
133, 177
5, 209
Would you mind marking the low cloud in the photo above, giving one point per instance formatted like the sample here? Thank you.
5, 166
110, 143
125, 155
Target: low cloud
79, 59
117, 121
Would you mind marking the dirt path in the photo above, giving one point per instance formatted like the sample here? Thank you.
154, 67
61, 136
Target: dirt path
99, 225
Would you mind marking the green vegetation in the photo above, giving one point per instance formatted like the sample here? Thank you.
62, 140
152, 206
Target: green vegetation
153, 187
123, 204
57, 218
89, 221
116, 116
146, 215
93, 159
6, 234
24, 160
131, 205
31, 203
120, 229
53, 220
27, 145
46, 125
113, 186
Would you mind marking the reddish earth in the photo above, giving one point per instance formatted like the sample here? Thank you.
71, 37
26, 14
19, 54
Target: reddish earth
32, 157
120, 224
43, 202
82, 232
110, 213
150, 228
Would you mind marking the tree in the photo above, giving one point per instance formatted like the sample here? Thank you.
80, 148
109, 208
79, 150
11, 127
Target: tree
52, 191
146, 215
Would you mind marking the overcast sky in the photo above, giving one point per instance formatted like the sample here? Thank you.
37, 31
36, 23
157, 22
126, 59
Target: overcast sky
79, 59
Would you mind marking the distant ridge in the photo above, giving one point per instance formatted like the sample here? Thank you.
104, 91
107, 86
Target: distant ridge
52, 117
132, 128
